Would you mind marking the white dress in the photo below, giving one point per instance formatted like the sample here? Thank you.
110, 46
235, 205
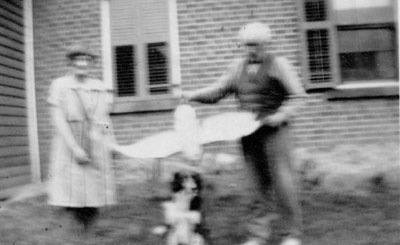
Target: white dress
71, 184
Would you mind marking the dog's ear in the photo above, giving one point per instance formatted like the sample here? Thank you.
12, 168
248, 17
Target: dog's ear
195, 203
177, 175
177, 182
198, 180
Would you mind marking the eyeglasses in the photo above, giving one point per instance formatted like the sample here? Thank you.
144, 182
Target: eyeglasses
82, 60
252, 44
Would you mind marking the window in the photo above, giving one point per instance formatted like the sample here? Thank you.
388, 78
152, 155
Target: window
367, 53
125, 70
319, 57
348, 42
140, 46
157, 68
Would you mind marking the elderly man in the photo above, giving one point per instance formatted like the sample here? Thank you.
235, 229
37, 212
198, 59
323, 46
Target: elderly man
267, 86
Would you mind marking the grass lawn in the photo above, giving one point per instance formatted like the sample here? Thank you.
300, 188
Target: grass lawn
330, 218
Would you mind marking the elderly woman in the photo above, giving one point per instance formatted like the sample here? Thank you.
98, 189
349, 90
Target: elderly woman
267, 86
81, 177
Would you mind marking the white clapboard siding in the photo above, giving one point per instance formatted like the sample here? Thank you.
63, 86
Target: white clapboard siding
14, 161
14, 171
14, 144
11, 182
11, 81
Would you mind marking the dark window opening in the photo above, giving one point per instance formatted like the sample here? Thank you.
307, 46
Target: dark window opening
125, 70
157, 68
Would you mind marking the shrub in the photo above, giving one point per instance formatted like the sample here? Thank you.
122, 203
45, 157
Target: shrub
350, 169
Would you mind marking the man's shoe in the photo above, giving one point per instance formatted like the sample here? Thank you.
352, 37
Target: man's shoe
291, 241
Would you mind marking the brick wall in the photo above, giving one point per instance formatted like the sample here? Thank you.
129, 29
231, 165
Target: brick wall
207, 32
207, 35
56, 24
208, 43
323, 124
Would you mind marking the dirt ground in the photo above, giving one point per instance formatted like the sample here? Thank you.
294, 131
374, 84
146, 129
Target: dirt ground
329, 219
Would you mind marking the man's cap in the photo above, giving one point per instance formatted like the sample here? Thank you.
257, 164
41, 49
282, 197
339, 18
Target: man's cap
255, 32
79, 49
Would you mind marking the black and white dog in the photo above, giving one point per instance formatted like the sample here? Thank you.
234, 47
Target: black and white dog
183, 217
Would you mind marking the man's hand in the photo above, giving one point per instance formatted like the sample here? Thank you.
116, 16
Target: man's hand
80, 156
116, 155
184, 96
275, 119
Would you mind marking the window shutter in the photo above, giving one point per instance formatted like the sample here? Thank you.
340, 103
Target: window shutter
154, 20
155, 33
320, 61
124, 39
124, 24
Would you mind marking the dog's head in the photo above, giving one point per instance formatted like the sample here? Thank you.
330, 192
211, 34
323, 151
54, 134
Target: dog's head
189, 183
183, 229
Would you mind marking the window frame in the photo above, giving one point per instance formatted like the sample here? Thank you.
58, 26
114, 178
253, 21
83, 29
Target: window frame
378, 87
315, 25
379, 26
143, 102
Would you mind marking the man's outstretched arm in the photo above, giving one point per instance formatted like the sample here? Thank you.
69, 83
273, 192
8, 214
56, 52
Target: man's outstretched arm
221, 88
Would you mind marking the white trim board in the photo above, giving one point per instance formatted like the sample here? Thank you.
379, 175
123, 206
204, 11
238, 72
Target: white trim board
31, 94
106, 52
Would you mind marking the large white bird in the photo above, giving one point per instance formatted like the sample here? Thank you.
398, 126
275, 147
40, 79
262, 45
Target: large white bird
189, 135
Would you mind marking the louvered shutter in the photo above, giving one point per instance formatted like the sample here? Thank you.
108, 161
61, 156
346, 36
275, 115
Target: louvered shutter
125, 34
320, 59
14, 148
155, 26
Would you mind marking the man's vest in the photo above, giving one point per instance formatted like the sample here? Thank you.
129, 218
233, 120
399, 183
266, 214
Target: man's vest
260, 93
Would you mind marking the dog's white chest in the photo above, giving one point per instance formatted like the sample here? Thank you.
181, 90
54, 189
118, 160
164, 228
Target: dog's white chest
182, 222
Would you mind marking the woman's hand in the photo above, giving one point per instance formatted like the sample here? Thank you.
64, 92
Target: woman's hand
80, 156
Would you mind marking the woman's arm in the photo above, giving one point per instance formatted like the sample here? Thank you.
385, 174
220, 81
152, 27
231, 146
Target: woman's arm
64, 130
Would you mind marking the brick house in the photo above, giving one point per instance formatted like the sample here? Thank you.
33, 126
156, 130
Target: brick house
345, 52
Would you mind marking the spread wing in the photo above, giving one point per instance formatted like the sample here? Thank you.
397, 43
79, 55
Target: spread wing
228, 126
224, 127
159, 145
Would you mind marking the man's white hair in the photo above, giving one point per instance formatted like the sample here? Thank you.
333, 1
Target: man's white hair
256, 32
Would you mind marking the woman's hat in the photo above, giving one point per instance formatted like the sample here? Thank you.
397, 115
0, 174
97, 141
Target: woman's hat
80, 49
